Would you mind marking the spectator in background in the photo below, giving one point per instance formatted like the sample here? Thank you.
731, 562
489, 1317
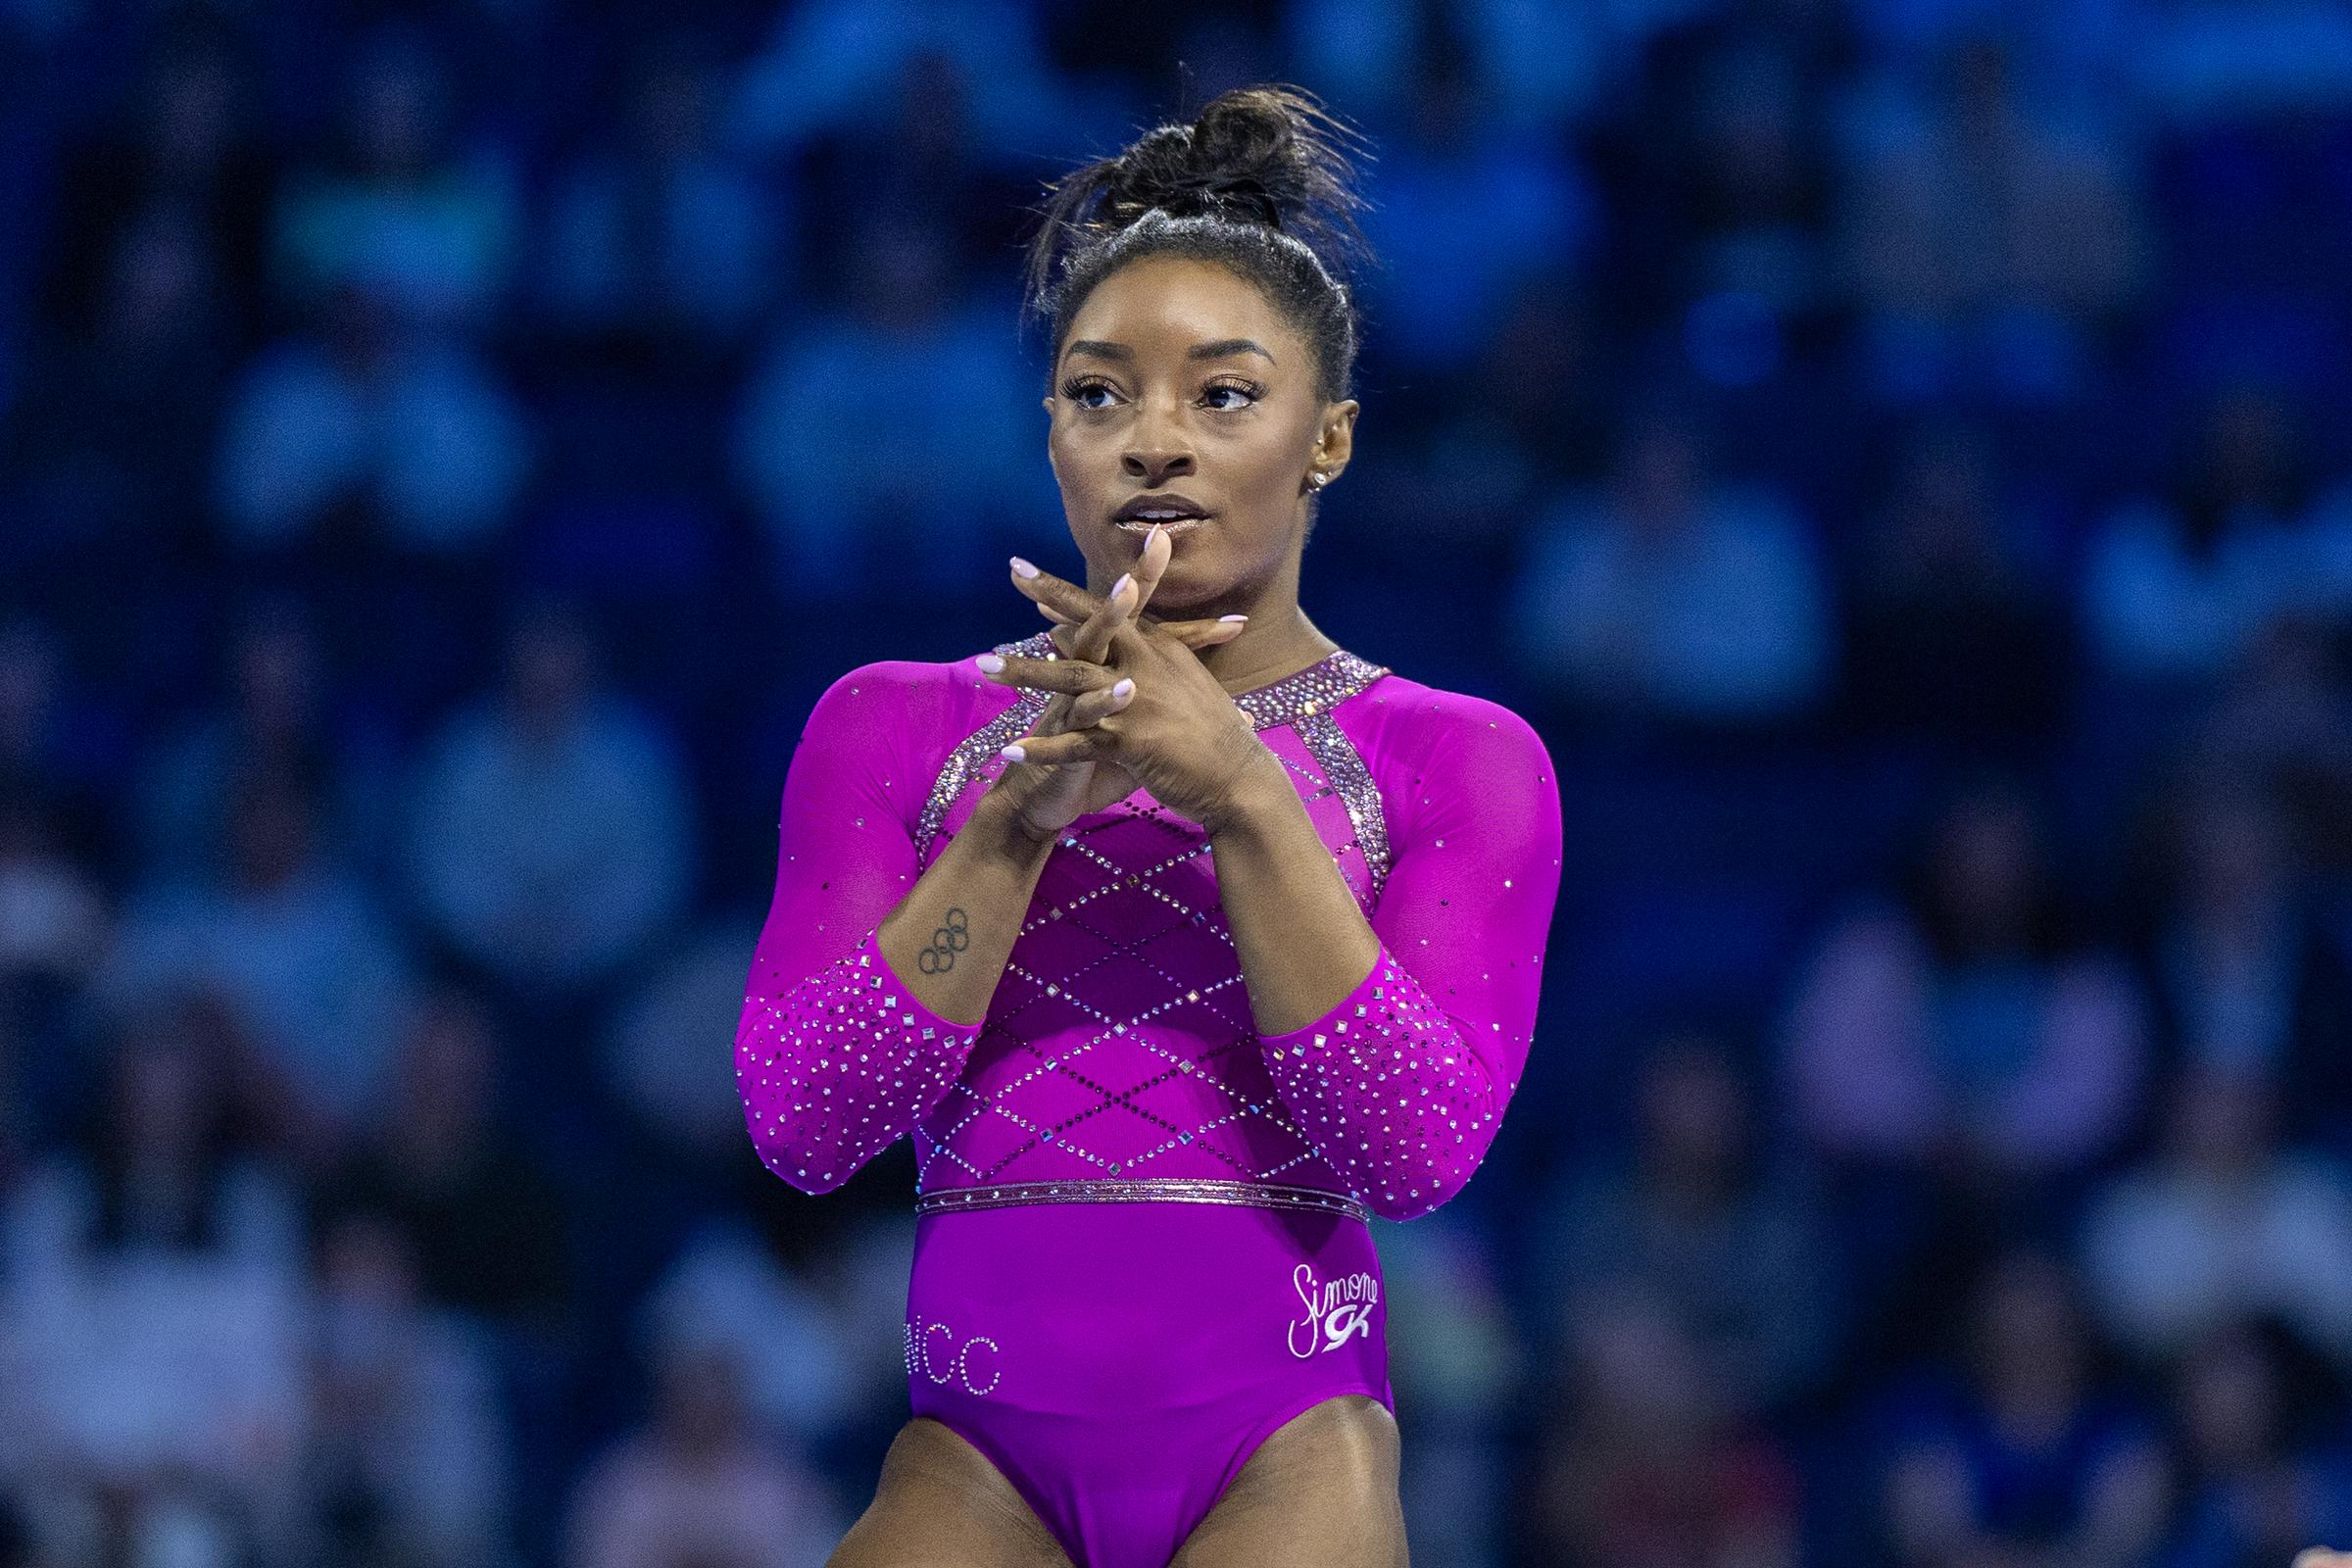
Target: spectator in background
2282, 723
2240, 960
1961, 1027
153, 1296
2174, 589
405, 213
1649, 1462
849, 504
1709, 1222
699, 1484
1669, 593
114, 450
2220, 61
186, 154
831, 64
294, 943
1453, 1344
1986, 243
659, 246
406, 1466
57, 734
1732, 179
550, 832
481, 1226
54, 924
1954, 634
372, 435
275, 714
781, 1321
2023, 1451
1442, 179
2262, 1470
2224, 1221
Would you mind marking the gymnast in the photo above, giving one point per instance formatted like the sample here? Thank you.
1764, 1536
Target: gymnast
1182, 943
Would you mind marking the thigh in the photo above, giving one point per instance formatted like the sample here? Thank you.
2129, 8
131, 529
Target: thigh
1322, 1489
941, 1504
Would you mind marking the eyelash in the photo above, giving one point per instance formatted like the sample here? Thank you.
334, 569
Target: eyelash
1249, 389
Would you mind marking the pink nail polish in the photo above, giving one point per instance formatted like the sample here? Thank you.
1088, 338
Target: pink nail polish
1123, 688
1014, 754
1125, 577
1233, 618
1022, 568
988, 662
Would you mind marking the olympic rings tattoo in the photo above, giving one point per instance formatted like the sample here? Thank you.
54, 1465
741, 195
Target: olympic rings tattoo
948, 940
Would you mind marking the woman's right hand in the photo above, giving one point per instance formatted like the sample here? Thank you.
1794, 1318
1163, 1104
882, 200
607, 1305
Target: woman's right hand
1047, 797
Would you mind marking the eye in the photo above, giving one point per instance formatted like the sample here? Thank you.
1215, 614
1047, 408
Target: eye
1246, 392
1077, 388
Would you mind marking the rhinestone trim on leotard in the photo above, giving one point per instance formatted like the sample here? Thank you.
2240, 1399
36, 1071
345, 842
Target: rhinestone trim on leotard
1305, 698
1149, 1190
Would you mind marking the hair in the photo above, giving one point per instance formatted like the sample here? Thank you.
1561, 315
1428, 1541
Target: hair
1262, 184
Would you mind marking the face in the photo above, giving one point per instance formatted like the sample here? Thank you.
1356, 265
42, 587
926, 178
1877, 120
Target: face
1178, 378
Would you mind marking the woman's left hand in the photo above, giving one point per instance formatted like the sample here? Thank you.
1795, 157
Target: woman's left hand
1180, 734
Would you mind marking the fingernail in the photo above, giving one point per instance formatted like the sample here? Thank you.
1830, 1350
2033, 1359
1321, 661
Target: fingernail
1233, 618
988, 662
1116, 588
1022, 568
1123, 688
1014, 753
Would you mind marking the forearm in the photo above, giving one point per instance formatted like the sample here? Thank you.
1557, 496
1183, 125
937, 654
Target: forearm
1375, 1073
1303, 943
835, 1067
951, 937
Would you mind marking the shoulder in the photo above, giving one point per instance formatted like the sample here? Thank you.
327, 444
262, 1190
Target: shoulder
1431, 729
912, 696
1441, 756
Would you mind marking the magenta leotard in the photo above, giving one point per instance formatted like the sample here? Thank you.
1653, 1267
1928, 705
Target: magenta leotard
1143, 1244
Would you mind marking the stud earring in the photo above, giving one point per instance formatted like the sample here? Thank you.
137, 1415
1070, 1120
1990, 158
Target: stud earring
1318, 479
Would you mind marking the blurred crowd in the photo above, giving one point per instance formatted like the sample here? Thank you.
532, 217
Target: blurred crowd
1894, 450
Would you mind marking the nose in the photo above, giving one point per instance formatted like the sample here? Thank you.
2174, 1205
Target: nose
1156, 453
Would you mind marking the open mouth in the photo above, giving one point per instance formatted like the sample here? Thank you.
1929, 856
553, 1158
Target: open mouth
1179, 513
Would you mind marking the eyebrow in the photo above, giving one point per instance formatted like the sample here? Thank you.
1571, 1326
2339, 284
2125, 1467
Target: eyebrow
1220, 349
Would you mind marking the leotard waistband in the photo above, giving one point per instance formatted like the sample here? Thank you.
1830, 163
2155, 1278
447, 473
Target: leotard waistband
1145, 1190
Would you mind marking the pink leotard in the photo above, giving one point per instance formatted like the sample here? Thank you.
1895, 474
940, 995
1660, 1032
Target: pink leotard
1143, 1244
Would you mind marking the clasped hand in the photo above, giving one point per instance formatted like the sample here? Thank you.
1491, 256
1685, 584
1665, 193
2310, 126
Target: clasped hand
1133, 706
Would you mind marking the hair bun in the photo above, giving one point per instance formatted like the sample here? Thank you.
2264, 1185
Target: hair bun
1269, 155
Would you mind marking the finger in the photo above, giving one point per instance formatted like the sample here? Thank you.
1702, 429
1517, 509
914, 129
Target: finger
1071, 746
1152, 565
1071, 675
1198, 634
1094, 706
1073, 602
1114, 614
1192, 633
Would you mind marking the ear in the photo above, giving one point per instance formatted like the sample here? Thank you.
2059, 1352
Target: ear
1335, 443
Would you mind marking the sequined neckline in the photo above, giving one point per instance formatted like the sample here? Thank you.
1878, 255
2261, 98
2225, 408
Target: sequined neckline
1318, 688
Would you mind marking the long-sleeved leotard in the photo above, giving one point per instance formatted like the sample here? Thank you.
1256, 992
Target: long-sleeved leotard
1120, 1046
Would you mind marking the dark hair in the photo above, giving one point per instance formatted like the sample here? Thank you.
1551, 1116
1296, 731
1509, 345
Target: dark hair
1261, 183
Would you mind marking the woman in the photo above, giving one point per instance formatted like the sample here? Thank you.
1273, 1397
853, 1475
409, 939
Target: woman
1182, 945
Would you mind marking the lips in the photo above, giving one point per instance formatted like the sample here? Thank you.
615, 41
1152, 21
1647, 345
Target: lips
1165, 507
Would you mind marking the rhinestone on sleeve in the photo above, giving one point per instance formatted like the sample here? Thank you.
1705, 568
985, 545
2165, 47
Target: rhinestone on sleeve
836, 1068
1386, 1089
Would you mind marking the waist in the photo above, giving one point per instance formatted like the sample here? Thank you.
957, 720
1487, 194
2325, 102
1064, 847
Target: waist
1143, 1190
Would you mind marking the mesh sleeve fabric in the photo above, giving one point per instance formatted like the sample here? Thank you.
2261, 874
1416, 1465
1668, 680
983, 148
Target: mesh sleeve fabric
835, 1058
1401, 1086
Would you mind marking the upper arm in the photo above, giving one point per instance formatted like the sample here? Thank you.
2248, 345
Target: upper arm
1473, 871
845, 835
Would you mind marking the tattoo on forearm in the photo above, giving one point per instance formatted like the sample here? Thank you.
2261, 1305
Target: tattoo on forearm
953, 937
